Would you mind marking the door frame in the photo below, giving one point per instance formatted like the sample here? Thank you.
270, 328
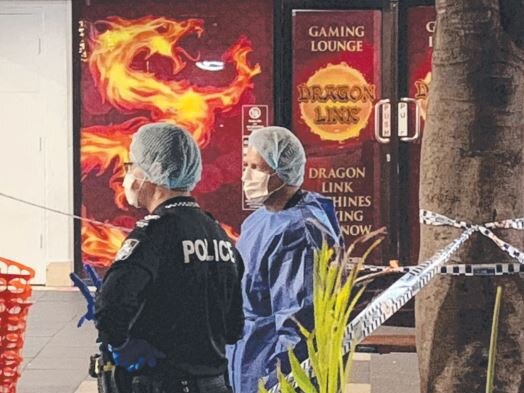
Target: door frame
389, 70
405, 239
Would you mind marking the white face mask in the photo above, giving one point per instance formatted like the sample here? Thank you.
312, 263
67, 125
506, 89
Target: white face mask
131, 195
256, 185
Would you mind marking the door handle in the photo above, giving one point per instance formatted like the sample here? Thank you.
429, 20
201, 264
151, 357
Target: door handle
403, 110
383, 106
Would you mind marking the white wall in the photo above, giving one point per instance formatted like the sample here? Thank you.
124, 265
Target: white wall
36, 95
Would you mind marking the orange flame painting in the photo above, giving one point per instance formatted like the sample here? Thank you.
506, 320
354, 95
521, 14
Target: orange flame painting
233, 235
177, 101
107, 146
100, 244
114, 44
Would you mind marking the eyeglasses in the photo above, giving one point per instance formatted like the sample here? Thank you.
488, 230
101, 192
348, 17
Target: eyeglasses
128, 167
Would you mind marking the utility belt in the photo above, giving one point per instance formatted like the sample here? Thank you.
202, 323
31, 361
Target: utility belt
113, 379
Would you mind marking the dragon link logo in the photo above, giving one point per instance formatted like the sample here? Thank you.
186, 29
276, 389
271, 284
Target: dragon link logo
336, 102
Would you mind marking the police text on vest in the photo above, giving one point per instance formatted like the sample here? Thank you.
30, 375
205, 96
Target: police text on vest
220, 250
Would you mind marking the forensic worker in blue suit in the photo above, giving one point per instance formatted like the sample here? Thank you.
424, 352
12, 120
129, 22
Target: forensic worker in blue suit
277, 244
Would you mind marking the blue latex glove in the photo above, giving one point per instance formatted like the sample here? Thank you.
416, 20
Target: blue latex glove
90, 314
136, 353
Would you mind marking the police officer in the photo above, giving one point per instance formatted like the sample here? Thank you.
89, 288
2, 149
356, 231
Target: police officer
172, 300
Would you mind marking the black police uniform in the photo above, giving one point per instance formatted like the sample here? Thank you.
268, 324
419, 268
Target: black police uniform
176, 283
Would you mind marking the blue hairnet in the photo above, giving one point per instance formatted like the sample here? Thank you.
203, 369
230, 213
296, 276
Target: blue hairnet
282, 151
168, 155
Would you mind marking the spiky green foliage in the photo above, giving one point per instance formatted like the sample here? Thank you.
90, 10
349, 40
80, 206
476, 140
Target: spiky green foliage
334, 298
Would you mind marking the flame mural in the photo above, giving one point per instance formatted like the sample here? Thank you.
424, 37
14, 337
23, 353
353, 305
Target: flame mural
99, 244
116, 48
178, 101
105, 147
230, 232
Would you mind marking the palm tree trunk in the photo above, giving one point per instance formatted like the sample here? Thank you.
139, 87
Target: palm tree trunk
472, 169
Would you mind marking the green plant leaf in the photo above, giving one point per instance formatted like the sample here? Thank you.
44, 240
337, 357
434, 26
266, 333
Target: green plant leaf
331, 279
342, 299
493, 342
285, 386
262, 386
306, 333
334, 299
354, 302
313, 357
300, 375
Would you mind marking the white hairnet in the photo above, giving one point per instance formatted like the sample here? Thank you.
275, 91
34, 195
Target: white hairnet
282, 151
168, 155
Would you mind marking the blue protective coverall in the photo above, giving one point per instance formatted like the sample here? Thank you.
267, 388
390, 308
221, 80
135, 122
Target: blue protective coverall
278, 250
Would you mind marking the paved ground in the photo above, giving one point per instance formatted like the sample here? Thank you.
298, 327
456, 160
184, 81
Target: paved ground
56, 353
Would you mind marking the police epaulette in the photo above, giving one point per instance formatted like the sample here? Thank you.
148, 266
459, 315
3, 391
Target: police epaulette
144, 222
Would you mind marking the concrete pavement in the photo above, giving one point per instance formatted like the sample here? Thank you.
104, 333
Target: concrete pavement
56, 353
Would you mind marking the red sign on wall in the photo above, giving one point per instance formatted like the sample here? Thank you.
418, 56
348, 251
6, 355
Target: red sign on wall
194, 64
336, 82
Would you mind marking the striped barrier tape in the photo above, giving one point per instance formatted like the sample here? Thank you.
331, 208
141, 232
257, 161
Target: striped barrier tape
417, 277
430, 218
483, 269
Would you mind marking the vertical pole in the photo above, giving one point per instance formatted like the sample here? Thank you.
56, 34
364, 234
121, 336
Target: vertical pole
77, 186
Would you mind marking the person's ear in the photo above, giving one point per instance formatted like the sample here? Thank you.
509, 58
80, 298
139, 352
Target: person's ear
274, 182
